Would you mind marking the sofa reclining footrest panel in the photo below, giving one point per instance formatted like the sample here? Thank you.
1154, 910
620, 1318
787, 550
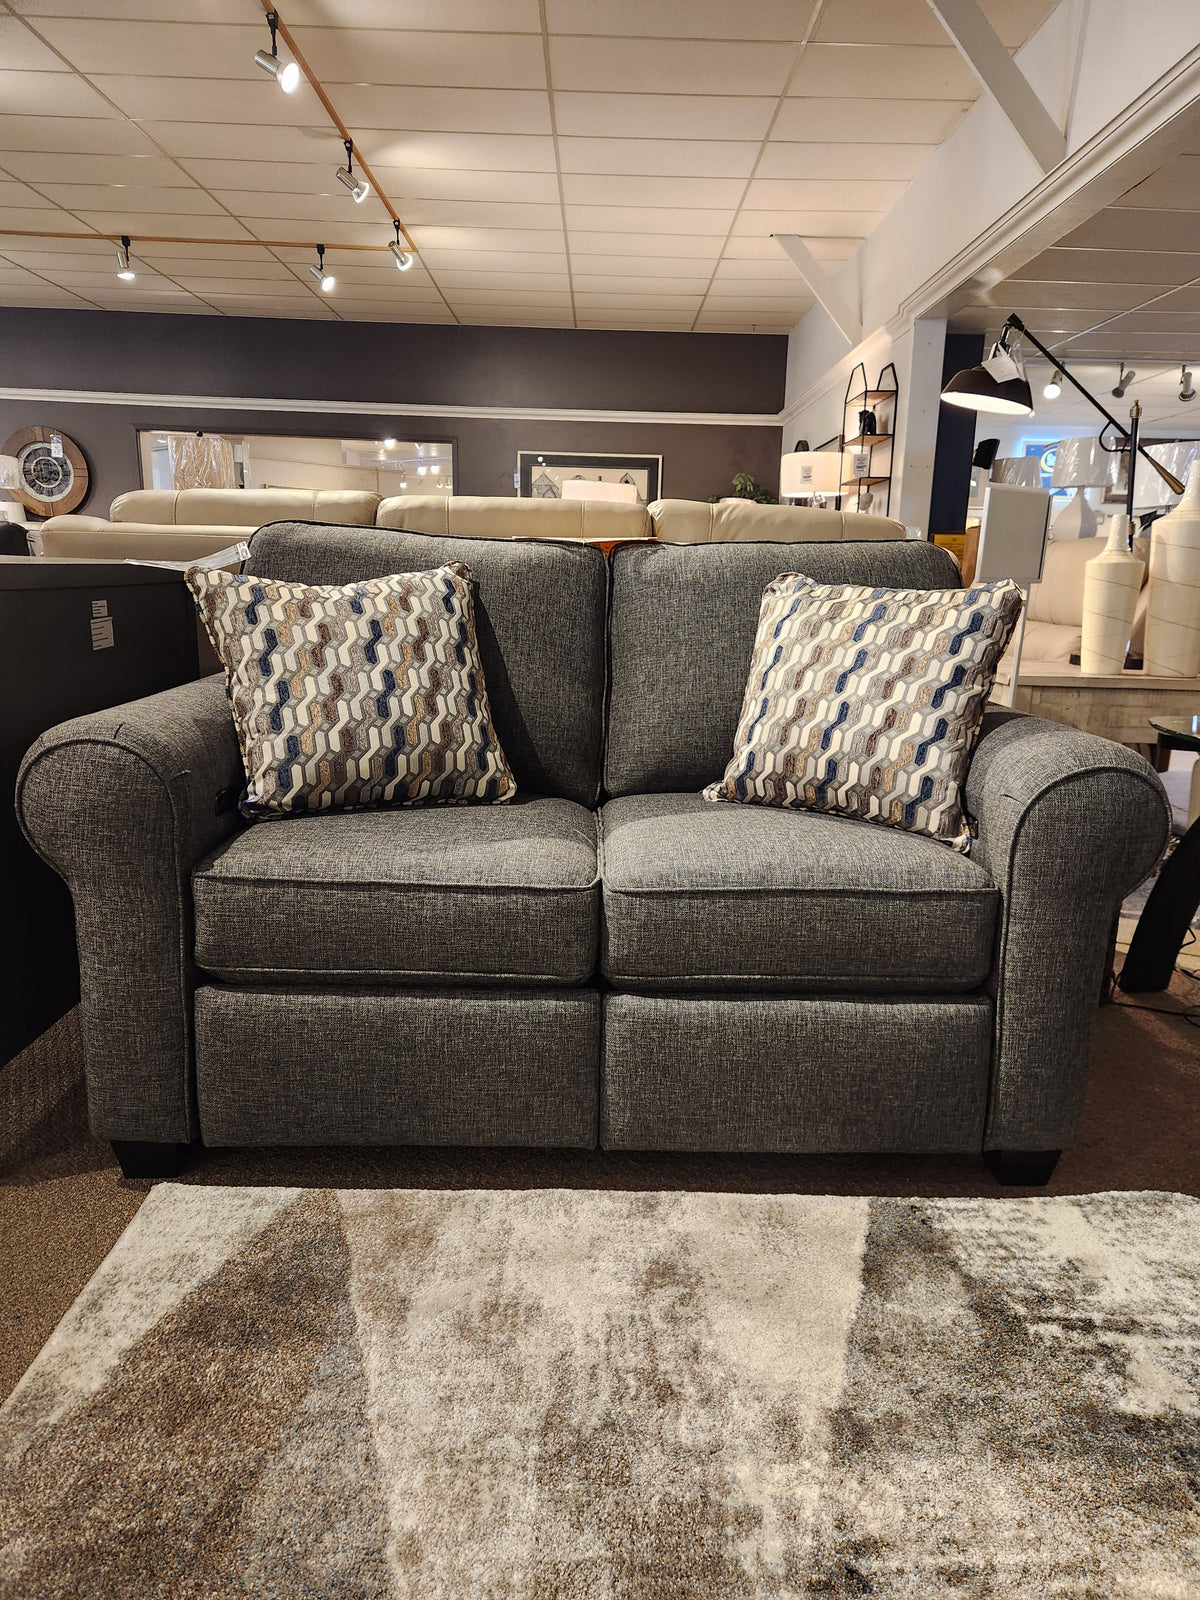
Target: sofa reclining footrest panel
421, 1066
778, 1073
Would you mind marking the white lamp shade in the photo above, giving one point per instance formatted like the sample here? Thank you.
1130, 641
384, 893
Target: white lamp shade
10, 472
588, 489
810, 472
1149, 490
1084, 464
1024, 472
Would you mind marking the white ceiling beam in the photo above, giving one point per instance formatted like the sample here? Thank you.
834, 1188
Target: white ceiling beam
822, 285
988, 58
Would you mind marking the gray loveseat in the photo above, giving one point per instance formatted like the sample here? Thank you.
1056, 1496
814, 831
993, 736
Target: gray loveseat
609, 959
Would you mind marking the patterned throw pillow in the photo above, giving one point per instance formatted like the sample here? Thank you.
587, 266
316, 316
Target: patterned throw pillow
868, 701
366, 695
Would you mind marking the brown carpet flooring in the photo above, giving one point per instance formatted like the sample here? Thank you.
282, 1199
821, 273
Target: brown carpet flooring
63, 1202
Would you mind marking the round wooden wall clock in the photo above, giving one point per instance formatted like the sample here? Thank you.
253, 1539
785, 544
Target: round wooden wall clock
53, 472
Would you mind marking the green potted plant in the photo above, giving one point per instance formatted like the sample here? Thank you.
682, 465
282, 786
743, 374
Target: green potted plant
747, 488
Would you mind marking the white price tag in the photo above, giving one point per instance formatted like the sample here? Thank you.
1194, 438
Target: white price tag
99, 608
102, 633
56, 448
1002, 367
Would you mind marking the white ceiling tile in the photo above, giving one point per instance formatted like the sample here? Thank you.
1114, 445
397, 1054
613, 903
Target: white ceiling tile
597, 284
274, 177
593, 190
249, 102
218, 288
480, 214
892, 72
132, 10
47, 167
657, 220
1111, 266
648, 322
471, 152
843, 162
244, 256
465, 16
526, 321
404, 184
113, 198
1019, 294
305, 144
531, 261
151, 223
888, 120
523, 239
170, 49
341, 56
816, 194
747, 256
453, 110
684, 158
49, 94
589, 299
22, 51
1135, 228
663, 116
335, 205
452, 278
106, 135
610, 267
44, 295
302, 235
808, 224
40, 217
640, 246
17, 194
782, 20
313, 311
644, 66
878, 22
1174, 186
53, 255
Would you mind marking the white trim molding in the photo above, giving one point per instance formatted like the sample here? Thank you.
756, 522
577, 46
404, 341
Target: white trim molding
374, 408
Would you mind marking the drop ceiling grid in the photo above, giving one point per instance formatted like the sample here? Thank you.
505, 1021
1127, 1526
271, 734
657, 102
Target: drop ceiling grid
629, 132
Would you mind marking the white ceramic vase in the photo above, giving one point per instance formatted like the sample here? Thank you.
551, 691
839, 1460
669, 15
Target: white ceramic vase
1173, 619
1111, 584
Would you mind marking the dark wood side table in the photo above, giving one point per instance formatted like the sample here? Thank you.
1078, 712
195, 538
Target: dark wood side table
1175, 897
57, 618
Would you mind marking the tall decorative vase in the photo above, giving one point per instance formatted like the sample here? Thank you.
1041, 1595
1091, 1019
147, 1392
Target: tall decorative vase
1173, 619
1111, 584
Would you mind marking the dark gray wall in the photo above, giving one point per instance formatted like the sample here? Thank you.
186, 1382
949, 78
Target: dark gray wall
123, 352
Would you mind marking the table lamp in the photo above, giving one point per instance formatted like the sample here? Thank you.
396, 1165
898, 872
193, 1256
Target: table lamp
805, 474
1081, 464
1152, 493
1023, 472
10, 478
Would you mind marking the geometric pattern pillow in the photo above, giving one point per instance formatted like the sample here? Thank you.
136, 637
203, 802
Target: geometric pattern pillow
868, 702
364, 695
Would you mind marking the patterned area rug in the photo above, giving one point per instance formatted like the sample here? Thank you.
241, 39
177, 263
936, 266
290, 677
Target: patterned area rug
573, 1395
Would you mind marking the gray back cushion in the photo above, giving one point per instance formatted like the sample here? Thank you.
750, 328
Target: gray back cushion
682, 620
540, 619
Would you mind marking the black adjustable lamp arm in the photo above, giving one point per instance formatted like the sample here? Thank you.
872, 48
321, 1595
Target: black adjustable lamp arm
1014, 322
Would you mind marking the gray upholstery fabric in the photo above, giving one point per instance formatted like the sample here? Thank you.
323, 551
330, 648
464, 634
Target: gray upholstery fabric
540, 623
682, 621
473, 893
704, 894
1068, 825
121, 804
768, 1072
435, 1066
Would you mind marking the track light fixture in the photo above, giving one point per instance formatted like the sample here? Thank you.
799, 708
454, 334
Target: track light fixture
1187, 389
326, 279
285, 73
1054, 388
1123, 382
403, 257
358, 187
124, 271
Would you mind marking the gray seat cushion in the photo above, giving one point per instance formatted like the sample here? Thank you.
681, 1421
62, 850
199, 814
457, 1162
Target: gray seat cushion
707, 895
472, 893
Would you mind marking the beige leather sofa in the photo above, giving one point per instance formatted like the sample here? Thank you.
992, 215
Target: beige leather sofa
186, 524
1054, 621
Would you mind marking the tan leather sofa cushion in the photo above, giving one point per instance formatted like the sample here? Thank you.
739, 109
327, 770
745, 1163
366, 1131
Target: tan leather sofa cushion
697, 522
469, 516
131, 541
240, 508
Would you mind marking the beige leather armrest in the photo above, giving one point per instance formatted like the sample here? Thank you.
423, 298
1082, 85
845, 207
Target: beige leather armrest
73, 524
126, 541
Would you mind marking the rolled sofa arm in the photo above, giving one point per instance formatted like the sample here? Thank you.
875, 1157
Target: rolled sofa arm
1068, 823
122, 804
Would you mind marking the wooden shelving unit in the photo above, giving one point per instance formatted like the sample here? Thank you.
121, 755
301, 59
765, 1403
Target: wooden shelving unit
877, 447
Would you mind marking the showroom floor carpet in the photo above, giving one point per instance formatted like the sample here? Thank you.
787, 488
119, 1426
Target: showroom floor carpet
583, 1394
63, 1202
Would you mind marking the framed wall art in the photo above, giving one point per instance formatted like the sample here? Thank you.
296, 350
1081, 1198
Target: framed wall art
541, 473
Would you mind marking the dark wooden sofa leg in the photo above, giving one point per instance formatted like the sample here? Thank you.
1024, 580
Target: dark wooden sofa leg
1022, 1168
144, 1158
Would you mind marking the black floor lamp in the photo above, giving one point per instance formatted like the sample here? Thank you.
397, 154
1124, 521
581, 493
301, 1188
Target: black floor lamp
977, 389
